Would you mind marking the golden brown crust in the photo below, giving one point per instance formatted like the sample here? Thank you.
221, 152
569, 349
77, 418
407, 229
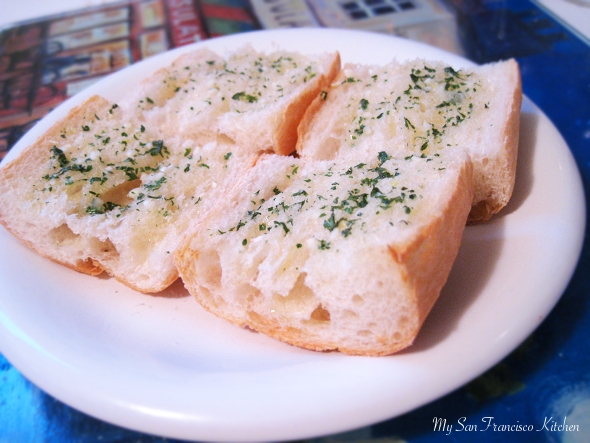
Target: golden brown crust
447, 228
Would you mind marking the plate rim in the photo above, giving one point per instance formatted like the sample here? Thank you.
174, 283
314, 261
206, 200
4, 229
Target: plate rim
8, 328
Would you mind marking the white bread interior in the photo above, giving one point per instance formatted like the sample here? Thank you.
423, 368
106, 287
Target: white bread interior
347, 254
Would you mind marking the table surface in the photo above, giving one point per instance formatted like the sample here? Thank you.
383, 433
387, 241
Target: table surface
550, 371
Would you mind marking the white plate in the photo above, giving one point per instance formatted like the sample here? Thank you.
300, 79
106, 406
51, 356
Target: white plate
160, 364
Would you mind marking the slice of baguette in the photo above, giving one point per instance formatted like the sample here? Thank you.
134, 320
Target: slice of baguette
255, 99
422, 107
114, 187
101, 191
348, 254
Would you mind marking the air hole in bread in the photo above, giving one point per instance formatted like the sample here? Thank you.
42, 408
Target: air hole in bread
358, 300
62, 235
208, 300
485, 161
349, 315
248, 292
364, 333
208, 268
403, 321
119, 194
106, 250
320, 314
250, 298
298, 303
225, 139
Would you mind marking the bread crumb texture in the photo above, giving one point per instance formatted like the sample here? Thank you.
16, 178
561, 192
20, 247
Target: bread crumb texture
330, 254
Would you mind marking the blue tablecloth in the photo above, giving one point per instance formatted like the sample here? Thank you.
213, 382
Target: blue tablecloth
545, 383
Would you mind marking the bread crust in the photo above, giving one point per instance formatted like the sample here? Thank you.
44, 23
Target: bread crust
423, 262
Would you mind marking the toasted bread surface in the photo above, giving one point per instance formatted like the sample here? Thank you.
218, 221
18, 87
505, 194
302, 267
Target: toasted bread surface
333, 255
421, 107
255, 99
100, 191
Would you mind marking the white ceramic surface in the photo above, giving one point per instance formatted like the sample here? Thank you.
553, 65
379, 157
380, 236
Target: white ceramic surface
162, 365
